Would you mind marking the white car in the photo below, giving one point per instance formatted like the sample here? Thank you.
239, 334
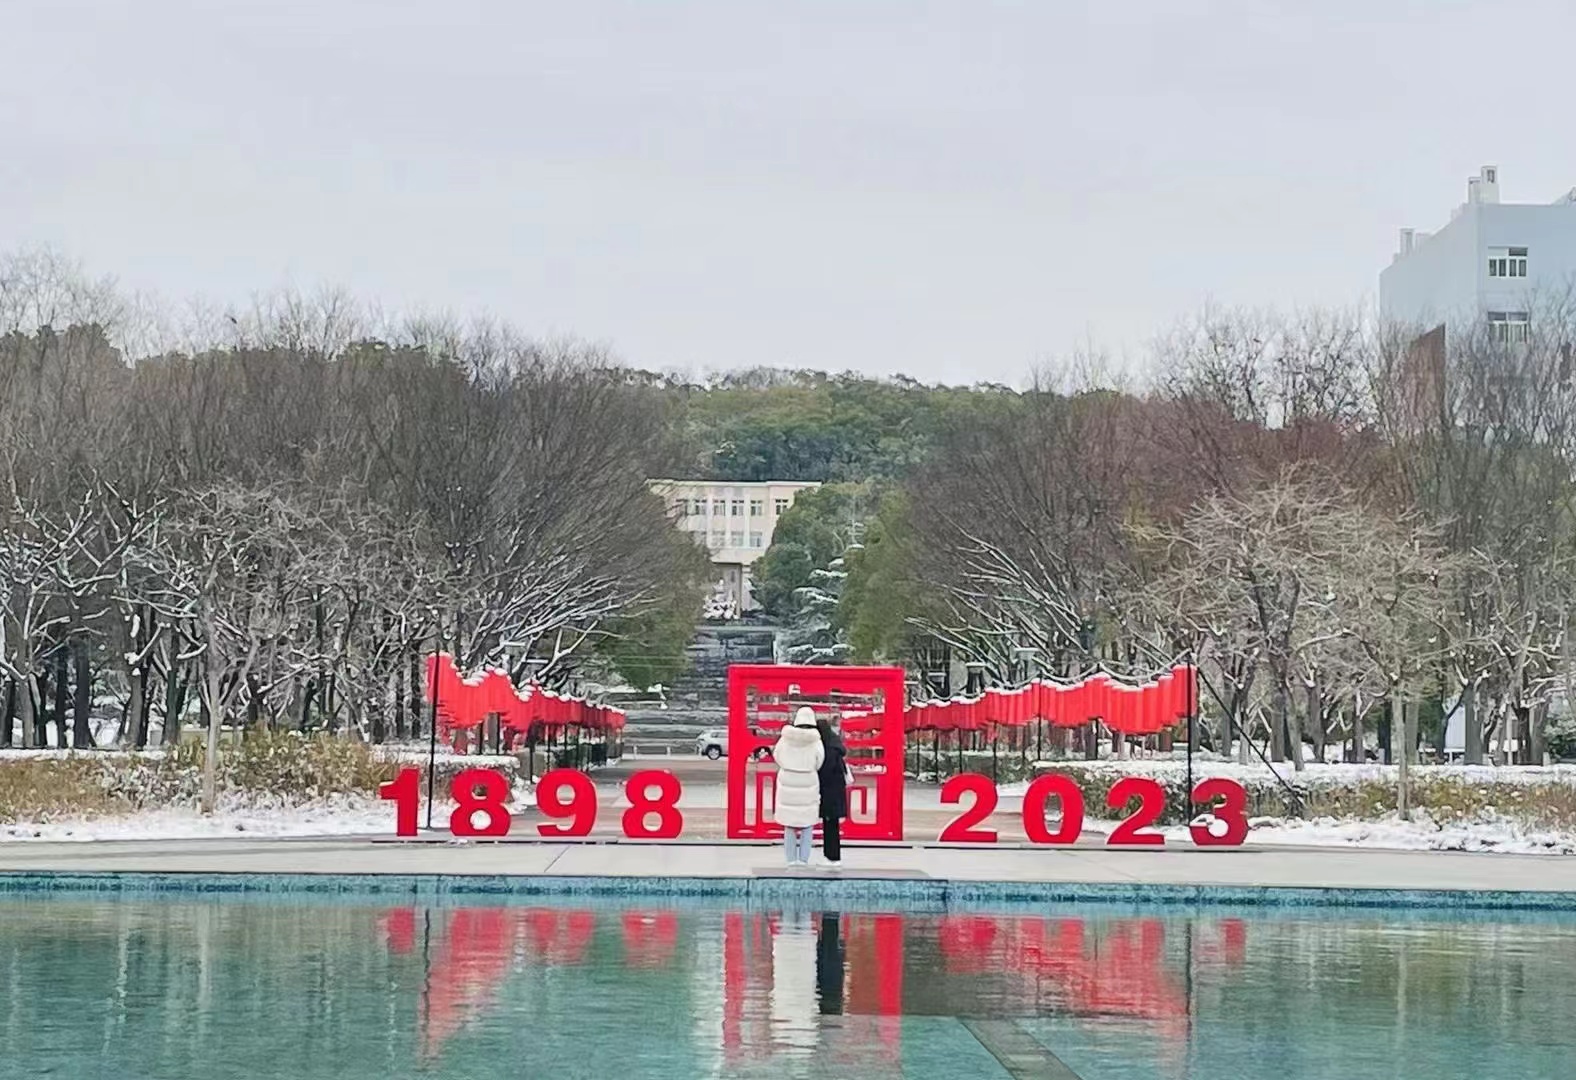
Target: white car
714, 744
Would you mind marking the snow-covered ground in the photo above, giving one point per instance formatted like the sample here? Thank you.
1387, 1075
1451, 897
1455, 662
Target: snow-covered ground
1334, 775
329, 817
1419, 834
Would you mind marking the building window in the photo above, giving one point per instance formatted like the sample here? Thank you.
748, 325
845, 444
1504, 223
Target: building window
738, 507
716, 539
757, 507
1507, 262
1509, 327
719, 507
757, 540
736, 539
781, 505
697, 507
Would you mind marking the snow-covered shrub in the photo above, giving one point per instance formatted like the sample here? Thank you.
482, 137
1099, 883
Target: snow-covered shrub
1544, 799
1561, 734
40, 789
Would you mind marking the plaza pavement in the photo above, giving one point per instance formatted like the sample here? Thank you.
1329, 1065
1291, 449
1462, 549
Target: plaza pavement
1254, 867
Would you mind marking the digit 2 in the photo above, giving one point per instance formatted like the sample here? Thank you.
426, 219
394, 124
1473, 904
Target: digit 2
961, 829
1152, 800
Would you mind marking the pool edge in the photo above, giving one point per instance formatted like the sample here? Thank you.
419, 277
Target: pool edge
930, 894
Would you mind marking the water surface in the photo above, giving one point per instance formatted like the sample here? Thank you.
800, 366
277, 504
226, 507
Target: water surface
220, 988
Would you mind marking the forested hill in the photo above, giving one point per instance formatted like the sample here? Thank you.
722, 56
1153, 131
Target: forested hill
771, 424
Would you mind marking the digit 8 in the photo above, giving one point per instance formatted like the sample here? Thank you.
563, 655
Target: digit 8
669, 821
493, 801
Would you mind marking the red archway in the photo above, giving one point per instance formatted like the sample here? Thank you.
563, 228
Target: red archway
868, 705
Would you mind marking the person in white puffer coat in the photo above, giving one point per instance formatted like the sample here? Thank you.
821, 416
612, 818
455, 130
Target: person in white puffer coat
798, 756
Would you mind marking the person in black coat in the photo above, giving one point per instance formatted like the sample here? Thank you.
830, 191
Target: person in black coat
834, 792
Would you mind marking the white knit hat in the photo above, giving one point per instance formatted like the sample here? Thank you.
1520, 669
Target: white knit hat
805, 717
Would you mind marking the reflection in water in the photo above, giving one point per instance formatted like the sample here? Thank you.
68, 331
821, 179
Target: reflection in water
184, 989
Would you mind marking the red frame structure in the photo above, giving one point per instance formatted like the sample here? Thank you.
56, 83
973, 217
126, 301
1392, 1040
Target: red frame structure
762, 698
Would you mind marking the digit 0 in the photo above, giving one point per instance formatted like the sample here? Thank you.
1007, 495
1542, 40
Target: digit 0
637, 790
480, 791
580, 809
1043, 788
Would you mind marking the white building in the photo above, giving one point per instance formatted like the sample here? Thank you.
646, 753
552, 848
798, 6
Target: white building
735, 522
1492, 260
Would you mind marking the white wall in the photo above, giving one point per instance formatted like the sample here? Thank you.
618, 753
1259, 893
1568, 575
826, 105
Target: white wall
1438, 281
1445, 278
1549, 235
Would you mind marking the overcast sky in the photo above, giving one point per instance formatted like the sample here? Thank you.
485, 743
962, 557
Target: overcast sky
952, 190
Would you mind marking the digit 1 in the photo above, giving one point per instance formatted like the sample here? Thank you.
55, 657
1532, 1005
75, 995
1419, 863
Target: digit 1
580, 809
405, 792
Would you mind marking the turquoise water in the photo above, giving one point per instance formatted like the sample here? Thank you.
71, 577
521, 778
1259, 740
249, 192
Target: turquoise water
252, 988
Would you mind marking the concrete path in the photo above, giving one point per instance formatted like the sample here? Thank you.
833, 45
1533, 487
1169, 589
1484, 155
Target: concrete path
1250, 866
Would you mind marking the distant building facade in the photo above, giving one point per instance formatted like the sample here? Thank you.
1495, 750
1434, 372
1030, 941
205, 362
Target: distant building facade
734, 522
1491, 261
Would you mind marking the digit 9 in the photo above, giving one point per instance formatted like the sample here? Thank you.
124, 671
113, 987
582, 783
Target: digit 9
580, 809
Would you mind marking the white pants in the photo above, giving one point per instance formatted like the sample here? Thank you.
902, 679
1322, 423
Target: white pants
797, 843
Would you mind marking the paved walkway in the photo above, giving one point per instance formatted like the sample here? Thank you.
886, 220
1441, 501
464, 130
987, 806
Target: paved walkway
1252, 867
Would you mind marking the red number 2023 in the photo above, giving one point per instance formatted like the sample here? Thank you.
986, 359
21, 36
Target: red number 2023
961, 829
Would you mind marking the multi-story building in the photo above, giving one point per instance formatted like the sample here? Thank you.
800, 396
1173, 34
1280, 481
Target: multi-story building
734, 522
1493, 261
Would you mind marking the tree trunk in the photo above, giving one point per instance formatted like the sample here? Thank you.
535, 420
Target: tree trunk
1315, 722
82, 707
1359, 736
398, 678
27, 714
1537, 742
1398, 723
9, 714
145, 716
1386, 725
380, 712
210, 751
62, 696
254, 703
1278, 724
1471, 725
136, 721
413, 686
174, 708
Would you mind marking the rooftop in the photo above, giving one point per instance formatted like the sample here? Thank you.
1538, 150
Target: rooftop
1482, 190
